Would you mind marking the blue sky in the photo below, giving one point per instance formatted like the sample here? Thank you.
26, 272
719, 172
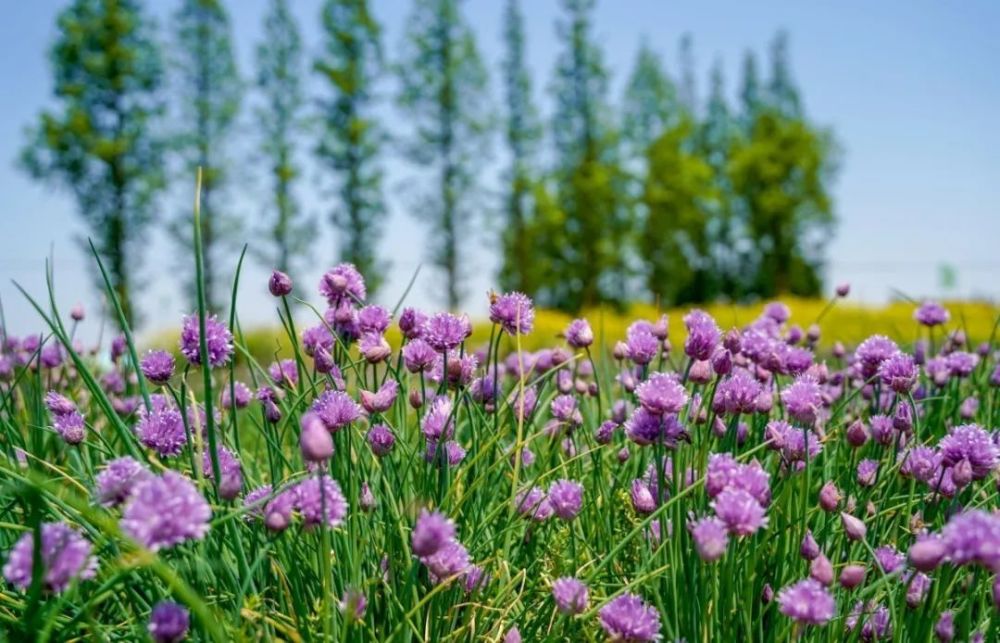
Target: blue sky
909, 87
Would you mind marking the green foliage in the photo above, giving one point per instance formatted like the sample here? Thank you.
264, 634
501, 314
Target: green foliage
780, 173
280, 120
520, 264
650, 106
678, 194
592, 265
209, 96
99, 141
349, 66
444, 94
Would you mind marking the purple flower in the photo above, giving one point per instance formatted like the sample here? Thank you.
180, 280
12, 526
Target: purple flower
641, 347
243, 396
451, 451
255, 500
412, 323
119, 479
161, 428
737, 393
809, 549
230, 472
973, 537
872, 352
579, 334
566, 498
279, 284
889, 558
961, 363
797, 445
564, 407
168, 622
343, 284
316, 502
158, 366
70, 426
972, 443
899, 372
703, 335
514, 312
917, 588
316, 337
645, 428
418, 356
381, 440
740, 511
438, 421
777, 312
710, 538
476, 579
876, 621
867, 472
445, 331
278, 512
353, 605
59, 404
218, 341
450, 560
534, 504
662, 393
854, 528
931, 313
461, 368
336, 409
432, 531
381, 400
808, 602
570, 595
373, 319
724, 472
165, 511
66, 555
629, 619
284, 373
944, 630
803, 399
118, 347
374, 348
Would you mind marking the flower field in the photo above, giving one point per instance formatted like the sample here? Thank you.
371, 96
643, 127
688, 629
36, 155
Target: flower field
724, 474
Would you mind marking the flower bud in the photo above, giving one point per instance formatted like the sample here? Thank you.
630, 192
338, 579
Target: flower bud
279, 284
851, 576
366, 499
857, 435
926, 555
829, 497
809, 549
854, 528
722, 362
76, 313
843, 289
961, 474
314, 439
821, 570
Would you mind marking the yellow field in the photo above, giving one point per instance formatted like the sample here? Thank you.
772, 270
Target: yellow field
845, 322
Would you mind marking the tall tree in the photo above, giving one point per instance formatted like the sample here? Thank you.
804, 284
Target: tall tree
781, 173
444, 93
349, 65
783, 95
592, 267
99, 142
280, 119
678, 195
210, 92
650, 106
688, 91
518, 269
751, 98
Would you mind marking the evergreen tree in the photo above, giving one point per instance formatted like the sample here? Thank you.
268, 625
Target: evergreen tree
100, 141
210, 92
688, 92
593, 266
519, 269
279, 119
349, 66
444, 93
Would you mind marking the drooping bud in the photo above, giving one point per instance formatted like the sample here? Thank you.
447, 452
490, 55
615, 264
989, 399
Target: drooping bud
315, 441
279, 284
854, 528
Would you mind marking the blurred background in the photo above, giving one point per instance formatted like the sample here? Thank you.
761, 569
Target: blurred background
588, 153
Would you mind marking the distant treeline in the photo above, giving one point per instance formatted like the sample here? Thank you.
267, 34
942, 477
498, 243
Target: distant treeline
661, 196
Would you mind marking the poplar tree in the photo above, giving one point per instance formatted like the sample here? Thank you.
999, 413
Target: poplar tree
444, 95
100, 141
350, 63
209, 96
280, 121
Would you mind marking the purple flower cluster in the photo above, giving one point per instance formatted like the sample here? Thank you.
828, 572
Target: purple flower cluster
629, 618
218, 341
66, 555
165, 511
